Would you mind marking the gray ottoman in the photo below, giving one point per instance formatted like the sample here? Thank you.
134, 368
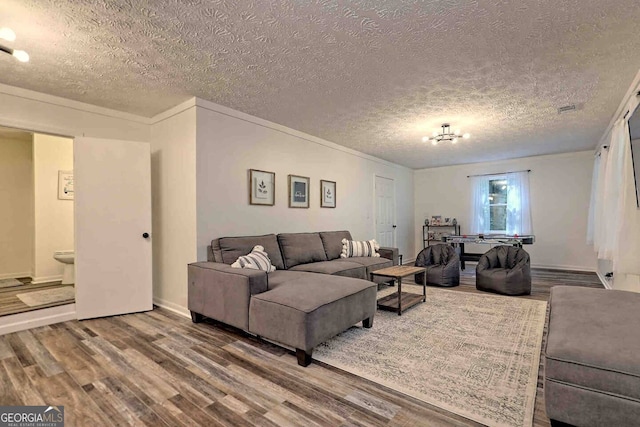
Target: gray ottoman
592, 357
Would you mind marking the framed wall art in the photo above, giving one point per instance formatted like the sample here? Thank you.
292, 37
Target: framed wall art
262, 187
298, 191
327, 194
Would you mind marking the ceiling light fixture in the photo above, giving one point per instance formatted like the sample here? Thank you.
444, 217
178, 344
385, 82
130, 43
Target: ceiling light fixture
446, 135
9, 35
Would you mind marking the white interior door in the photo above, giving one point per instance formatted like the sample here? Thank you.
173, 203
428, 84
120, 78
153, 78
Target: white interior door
385, 211
112, 182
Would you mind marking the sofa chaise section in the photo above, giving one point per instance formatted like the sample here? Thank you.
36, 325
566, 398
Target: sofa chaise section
303, 310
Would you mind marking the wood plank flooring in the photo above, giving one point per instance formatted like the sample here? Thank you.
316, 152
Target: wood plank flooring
10, 304
159, 369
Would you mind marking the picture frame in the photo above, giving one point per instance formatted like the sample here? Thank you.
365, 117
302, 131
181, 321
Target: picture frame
327, 194
299, 191
262, 187
65, 185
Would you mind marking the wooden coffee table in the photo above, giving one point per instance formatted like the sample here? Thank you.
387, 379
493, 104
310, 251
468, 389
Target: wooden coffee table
399, 301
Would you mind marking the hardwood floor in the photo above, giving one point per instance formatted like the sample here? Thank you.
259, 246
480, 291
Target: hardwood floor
158, 368
10, 304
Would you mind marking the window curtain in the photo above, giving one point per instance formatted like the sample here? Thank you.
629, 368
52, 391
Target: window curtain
599, 224
479, 221
625, 253
593, 203
518, 205
612, 200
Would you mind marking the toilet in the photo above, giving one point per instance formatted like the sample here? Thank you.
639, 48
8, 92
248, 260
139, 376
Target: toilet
67, 258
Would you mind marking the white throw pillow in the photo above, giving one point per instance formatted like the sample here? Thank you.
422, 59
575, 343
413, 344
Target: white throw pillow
256, 260
353, 248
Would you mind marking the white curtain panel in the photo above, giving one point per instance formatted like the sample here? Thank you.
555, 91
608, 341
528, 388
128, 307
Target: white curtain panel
518, 204
625, 253
612, 201
592, 203
599, 223
479, 221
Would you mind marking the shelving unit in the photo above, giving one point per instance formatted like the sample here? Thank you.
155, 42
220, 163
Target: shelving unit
432, 234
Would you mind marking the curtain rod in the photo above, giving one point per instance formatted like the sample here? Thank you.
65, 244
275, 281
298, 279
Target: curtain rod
499, 173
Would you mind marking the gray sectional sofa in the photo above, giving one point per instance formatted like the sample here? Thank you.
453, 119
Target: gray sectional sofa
312, 296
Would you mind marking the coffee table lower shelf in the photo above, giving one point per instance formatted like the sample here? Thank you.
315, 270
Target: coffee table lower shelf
390, 302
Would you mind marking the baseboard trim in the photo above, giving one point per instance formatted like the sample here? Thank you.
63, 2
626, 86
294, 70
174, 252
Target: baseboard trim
564, 267
33, 319
606, 283
15, 275
175, 308
46, 279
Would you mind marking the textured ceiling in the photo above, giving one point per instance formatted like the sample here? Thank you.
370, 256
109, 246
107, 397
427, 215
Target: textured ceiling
374, 76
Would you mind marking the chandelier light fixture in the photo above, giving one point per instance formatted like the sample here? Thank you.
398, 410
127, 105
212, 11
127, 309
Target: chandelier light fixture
8, 35
446, 135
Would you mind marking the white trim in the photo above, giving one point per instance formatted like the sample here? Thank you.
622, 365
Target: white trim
68, 103
46, 279
36, 318
173, 111
15, 275
606, 283
173, 307
565, 267
216, 108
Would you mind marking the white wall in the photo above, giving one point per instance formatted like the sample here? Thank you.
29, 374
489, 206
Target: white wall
560, 194
16, 216
173, 182
53, 218
230, 143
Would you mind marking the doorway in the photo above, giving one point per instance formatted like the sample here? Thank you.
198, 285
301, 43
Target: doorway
385, 211
36, 221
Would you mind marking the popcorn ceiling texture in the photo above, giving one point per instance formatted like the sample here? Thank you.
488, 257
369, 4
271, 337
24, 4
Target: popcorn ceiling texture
374, 76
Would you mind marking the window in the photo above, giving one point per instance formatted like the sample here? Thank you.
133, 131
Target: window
500, 204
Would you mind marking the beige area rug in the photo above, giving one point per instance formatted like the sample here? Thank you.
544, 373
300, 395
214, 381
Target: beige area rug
47, 296
472, 354
9, 283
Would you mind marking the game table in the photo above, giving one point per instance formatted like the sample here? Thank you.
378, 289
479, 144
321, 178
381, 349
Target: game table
485, 239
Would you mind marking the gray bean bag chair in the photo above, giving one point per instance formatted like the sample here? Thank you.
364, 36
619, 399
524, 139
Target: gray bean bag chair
504, 270
442, 263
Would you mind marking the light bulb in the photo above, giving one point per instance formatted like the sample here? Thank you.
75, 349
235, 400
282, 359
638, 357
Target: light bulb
7, 34
457, 132
21, 55
425, 138
434, 142
454, 140
435, 133
466, 136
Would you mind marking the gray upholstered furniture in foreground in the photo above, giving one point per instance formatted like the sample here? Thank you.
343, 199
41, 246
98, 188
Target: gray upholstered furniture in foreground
592, 357
312, 296
442, 264
504, 270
